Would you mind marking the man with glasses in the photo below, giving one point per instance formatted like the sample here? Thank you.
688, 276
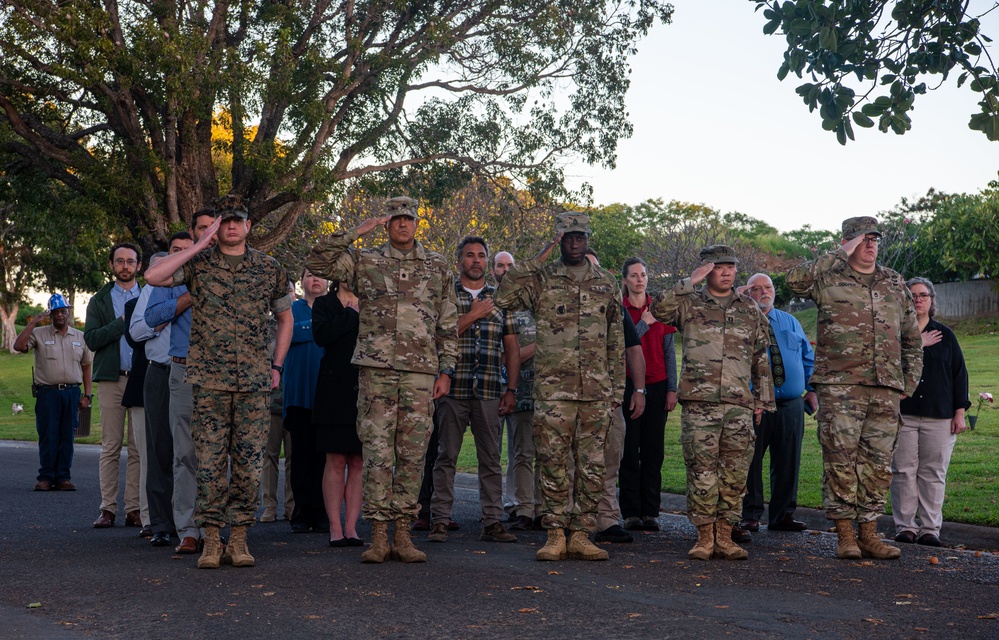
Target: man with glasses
104, 333
869, 356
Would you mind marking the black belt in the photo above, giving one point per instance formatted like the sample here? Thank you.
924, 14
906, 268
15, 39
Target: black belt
122, 373
57, 387
180, 360
158, 365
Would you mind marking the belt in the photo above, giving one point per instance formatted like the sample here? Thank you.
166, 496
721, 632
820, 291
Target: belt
122, 373
158, 365
180, 360
59, 387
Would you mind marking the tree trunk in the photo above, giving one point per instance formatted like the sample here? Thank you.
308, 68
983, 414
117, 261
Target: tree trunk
8, 314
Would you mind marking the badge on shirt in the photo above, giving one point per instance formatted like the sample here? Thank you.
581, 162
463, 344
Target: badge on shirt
50, 342
77, 344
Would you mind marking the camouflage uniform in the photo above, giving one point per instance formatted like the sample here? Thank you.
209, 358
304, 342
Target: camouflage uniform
869, 351
725, 376
579, 374
520, 477
408, 333
228, 366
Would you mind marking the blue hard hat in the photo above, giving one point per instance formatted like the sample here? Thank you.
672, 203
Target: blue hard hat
57, 301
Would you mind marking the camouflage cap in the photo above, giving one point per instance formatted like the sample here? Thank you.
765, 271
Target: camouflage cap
231, 206
719, 254
860, 226
573, 221
402, 206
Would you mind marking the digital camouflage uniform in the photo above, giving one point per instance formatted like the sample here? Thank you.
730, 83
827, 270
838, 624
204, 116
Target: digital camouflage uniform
408, 333
725, 376
869, 351
578, 375
228, 366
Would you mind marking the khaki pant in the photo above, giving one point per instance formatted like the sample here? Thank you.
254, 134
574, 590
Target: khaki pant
919, 474
269, 475
113, 433
608, 509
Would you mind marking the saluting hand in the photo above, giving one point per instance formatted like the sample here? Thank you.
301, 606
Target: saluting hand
701, 272
547, 251
852, 244
370, 224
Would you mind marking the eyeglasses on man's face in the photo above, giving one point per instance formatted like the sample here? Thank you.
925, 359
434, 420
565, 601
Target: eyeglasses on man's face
121, 262
875, 240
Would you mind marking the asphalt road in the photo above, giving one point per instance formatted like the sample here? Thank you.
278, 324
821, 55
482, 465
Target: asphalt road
89, 583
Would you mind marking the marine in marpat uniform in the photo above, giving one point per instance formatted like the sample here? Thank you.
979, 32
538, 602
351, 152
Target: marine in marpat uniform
579, 378
869, 354
725, 384
408, 336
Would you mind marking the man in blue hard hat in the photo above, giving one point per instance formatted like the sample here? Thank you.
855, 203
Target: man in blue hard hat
62, 364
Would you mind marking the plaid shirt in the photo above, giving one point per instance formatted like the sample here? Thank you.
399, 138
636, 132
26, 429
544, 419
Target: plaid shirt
480, 349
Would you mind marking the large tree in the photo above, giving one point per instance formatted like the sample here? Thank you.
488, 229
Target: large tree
867, 60
317, 94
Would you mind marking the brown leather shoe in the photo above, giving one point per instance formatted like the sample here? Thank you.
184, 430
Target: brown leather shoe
189, 545
105, 520
132, 519
65, 485
43, 485
787, 523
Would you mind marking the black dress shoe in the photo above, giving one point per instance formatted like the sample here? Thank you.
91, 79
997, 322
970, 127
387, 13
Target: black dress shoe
521, 523
301, 527
160, 539
740, 536
787, 523
354, 542
613, 533
929, 540
649, 523
342, 542
750, 525
906, 537
146, 532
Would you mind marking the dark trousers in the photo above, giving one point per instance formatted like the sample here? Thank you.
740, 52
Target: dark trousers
427, 486
640, 475
159, 448
782, 432
307, 466
56, 418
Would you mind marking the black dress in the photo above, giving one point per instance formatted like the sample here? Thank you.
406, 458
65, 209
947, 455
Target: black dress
334, 411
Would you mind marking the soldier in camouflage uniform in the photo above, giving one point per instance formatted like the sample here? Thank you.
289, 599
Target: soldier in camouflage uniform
579, 379
725, 386
408, 335
234, 289
869, 352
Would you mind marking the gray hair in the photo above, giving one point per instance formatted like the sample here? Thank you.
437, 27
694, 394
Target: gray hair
929, 287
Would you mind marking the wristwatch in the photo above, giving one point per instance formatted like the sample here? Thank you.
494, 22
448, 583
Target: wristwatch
277, 367
88, 396
512, 390
644, 392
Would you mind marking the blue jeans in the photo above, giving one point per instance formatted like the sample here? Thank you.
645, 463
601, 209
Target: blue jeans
56, 418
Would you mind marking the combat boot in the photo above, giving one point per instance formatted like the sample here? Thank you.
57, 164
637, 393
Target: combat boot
554, 549
705, 545
580, 547
724, 547
871, 545
211, 555
379, 550
237, 552
403, 548
846, 547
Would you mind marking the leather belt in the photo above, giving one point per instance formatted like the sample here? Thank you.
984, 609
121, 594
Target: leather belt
59, 387
180, 360
122, 373
158, 365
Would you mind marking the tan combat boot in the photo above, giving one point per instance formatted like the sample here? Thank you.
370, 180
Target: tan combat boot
237, 552
403, 548
554, 549
846, 548
379, 550
580, 547
705, 545
724, 547
871, 545
211, 555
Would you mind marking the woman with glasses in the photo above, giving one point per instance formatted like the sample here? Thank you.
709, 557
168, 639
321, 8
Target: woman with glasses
931, 420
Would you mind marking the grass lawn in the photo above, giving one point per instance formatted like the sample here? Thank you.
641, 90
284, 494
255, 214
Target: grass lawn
974, 467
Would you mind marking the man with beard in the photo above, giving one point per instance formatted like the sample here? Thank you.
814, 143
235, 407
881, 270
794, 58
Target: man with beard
487, 337
62, 364
725, 387
104, 333
234, 289
579, 379
869, 356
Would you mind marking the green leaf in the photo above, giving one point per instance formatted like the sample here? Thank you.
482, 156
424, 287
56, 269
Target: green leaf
862, 120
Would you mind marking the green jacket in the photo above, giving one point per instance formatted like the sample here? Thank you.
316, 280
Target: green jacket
102, 333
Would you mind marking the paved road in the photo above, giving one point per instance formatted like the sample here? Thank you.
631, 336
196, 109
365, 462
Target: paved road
111, 584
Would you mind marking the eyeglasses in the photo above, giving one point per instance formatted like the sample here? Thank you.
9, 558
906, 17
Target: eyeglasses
122, 262
872, 240
921, 296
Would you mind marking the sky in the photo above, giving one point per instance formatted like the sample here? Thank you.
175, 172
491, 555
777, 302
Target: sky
713, 125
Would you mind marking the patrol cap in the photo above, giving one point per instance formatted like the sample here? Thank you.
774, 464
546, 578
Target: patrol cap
402, 206
860, 226
57, 301
719, 254
231, 206
573, 221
